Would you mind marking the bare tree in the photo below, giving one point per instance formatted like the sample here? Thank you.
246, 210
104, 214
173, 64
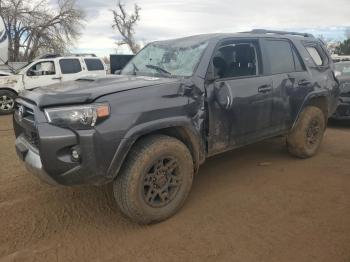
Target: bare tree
125, 24
36, 27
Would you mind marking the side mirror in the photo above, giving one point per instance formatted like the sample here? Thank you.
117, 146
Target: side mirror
223, 95
30, 72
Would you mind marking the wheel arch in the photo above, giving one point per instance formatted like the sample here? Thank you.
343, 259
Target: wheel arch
319, 100
9, 89
179, 128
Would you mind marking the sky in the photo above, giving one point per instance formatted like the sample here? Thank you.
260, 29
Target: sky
165, 19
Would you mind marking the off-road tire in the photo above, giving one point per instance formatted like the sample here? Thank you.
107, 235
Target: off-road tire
129, 188
8, 95
310, 120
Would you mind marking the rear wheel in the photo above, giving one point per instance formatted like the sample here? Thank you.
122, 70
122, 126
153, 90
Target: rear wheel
155, 179
306, 137
7, 102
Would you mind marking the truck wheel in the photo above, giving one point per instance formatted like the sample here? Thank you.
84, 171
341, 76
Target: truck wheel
155, 179
306, 136
7, 102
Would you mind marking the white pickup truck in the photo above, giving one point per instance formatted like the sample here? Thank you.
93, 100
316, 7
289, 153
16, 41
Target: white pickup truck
47, 71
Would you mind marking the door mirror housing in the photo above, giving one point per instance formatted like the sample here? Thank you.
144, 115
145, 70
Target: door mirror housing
223, 95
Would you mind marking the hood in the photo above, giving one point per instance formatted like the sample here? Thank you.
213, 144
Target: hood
87, 90
4, 73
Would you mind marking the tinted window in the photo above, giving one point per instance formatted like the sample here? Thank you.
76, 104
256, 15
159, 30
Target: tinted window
299, 66
93, 64
316, 56
280, 56
70, 66
236, 59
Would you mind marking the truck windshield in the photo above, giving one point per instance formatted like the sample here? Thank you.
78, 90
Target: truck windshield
165, 60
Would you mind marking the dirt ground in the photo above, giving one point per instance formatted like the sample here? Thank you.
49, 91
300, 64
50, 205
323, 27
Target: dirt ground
253, 204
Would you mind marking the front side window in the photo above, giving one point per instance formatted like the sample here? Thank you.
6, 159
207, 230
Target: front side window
166, 59
93, 64
70, 66
236, 59
42, 69
280, 56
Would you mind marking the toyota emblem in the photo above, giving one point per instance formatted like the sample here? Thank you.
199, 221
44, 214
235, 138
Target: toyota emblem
21, 111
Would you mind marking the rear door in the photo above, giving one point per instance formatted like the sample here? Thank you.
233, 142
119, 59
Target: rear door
290, 80
71, 69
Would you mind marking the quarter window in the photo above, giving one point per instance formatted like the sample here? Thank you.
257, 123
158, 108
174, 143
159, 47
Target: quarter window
315, 55
70, 66
93, 64
280, 56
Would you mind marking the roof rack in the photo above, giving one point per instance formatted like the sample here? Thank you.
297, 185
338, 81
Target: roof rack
81, 55
48, 56
264, 31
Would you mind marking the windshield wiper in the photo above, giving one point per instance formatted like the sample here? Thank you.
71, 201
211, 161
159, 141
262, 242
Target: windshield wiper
159, 69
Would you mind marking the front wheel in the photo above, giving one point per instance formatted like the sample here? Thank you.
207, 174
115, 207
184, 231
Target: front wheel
155, 179
306, 136
7, 102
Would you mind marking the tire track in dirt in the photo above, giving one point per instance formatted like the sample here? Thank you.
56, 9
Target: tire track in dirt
238, 210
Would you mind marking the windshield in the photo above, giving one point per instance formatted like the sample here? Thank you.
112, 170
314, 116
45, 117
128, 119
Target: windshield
343, 68
165, 60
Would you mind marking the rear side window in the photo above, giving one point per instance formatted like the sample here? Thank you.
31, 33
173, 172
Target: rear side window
280, 56
315, 55
70, 66
93, 64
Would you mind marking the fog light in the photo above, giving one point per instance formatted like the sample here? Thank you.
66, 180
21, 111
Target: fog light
75, 154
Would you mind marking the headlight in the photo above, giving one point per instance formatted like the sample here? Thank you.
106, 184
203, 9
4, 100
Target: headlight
77, 117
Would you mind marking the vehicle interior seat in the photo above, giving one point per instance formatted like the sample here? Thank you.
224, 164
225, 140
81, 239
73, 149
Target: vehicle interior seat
220, 66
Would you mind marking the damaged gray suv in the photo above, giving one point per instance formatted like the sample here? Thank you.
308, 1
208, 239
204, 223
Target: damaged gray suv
175, 104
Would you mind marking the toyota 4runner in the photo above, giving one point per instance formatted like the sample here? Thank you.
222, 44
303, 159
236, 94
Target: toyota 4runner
175, 104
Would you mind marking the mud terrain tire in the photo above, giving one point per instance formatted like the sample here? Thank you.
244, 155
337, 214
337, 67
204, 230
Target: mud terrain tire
155, 179
306, 136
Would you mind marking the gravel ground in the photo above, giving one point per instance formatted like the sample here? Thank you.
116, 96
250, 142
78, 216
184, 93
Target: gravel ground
253, 204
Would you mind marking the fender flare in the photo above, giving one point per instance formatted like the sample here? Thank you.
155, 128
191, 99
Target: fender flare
197, 146
308, 98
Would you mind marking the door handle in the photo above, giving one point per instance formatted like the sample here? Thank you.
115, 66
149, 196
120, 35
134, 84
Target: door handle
304, 82
57, 78
265, 89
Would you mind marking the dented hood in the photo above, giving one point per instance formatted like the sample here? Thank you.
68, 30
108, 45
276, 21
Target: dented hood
89, 89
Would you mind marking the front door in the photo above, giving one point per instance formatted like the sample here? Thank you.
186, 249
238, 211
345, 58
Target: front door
236, 65
42, 73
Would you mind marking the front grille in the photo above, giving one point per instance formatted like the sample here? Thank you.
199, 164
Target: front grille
28, 113
26, 123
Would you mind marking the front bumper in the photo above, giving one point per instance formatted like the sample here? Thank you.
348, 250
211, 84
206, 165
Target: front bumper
343, 110
31, 158
46, 150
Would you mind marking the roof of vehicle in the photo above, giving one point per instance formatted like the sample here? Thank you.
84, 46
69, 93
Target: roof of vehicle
256, 33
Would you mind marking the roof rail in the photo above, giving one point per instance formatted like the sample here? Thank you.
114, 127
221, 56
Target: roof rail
81, 55
264, 31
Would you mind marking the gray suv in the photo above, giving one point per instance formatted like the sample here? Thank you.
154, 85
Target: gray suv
175, 104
